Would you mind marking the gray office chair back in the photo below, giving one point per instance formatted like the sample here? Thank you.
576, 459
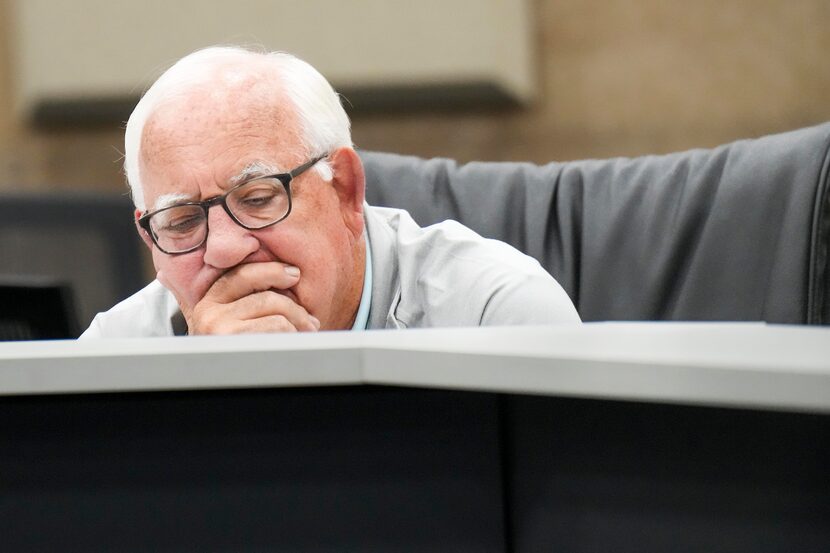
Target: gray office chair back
736, 233
85, 242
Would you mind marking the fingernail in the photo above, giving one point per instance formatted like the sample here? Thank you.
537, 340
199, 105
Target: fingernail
315, 322
292, 270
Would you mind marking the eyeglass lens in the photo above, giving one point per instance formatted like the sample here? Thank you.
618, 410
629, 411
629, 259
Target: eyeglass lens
254, 205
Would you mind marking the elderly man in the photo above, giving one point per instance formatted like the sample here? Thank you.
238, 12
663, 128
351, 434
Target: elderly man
251, 199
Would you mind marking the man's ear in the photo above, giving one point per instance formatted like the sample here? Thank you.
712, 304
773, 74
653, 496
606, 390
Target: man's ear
349, 183
141, 232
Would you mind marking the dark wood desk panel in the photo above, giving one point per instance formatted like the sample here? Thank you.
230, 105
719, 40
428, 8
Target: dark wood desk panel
345, 469
639, 437
588, 475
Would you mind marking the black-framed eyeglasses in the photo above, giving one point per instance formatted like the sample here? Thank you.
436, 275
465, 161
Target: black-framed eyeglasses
254, 204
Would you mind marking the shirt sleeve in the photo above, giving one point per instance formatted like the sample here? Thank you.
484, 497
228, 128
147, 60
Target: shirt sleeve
529, 300
94, 330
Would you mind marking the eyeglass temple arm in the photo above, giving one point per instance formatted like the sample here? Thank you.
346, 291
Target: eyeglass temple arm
306, 166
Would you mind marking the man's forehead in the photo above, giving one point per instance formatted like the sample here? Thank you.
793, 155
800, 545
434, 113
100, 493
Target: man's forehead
225, 102
169, 132
202, 117
251, 170
203, 137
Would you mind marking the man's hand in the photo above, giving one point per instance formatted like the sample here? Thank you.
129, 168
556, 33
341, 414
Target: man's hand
249, 298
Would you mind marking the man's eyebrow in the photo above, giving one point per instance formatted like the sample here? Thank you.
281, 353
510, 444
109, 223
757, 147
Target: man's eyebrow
251, 171
254, 170
166, 200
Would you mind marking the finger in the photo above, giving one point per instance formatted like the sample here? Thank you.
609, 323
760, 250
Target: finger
250, 278
269, 324
229, 318
264, 304
262, 325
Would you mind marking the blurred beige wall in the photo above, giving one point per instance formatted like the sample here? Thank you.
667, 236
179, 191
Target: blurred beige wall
616, 77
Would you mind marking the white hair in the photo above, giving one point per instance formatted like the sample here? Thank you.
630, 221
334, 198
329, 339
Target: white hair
324, 125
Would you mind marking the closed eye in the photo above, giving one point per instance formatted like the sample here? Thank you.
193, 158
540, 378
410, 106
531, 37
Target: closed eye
259, 199
182, 224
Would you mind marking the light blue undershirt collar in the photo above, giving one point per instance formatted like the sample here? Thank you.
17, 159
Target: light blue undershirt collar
362, 317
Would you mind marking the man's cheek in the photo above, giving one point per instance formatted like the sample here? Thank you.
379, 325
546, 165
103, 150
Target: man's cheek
187, 283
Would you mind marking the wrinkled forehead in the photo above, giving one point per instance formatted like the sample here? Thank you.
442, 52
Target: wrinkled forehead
217, 130
205, 114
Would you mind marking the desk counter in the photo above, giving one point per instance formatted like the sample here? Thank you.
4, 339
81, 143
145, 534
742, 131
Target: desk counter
723, 364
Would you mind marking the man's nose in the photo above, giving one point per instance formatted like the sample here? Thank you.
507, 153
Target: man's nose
227, 244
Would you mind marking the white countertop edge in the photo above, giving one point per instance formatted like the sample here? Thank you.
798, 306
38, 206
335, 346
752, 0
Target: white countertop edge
609, 380
723, 364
